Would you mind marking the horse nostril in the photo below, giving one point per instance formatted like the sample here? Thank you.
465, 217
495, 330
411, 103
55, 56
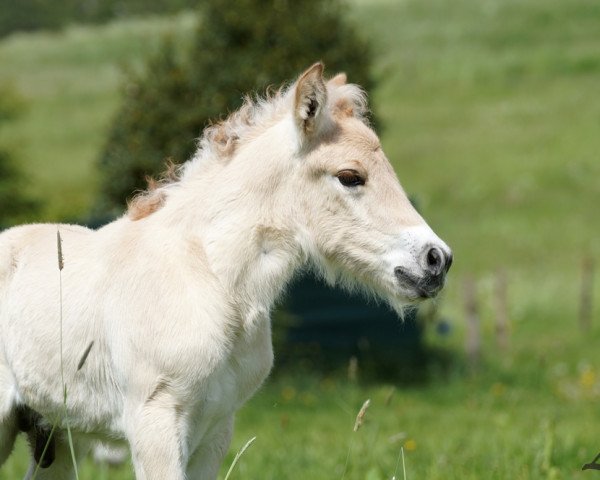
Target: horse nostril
435, 261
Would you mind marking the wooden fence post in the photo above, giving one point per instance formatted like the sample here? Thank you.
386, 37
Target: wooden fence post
587, 290
473, 338
502, 320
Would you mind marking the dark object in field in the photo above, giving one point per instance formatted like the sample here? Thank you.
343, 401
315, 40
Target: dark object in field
593, 465
40, 436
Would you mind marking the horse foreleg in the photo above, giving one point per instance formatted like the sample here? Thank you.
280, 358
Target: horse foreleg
206, 460
157, 441
109, 454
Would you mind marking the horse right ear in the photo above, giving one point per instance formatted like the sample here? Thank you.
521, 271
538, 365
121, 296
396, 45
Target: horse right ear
309, 99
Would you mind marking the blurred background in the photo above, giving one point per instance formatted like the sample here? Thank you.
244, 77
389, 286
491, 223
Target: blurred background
489, 112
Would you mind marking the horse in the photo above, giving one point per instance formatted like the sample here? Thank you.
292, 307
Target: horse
154, 329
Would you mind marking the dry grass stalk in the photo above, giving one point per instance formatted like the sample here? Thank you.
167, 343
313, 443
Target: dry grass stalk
353, 369
361, 415
61, 263
85, 356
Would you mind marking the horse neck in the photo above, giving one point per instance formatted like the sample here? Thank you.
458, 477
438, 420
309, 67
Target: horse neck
249, 232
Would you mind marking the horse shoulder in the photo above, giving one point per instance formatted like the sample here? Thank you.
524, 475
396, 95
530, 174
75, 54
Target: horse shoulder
163, 296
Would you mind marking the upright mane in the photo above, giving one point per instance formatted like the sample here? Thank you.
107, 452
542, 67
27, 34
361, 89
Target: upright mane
219, 140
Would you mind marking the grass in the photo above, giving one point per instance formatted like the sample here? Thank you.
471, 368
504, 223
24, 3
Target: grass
491, 118
238, 456
71, 81
494, 426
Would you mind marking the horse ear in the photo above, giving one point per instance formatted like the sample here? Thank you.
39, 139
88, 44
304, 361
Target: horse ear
310, 98
339, 80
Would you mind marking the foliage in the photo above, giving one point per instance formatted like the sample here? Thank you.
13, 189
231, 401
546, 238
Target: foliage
27, 15
239, 47
491, 116
71, 85
14, 203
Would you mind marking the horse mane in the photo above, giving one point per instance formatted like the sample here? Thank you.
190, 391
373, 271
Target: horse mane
220, 139
153, 198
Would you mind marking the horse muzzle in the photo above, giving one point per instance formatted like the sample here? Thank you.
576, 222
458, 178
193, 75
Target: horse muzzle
436, 263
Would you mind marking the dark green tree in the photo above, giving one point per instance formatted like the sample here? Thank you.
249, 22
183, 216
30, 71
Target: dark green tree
27, 15
15, 205
240, 46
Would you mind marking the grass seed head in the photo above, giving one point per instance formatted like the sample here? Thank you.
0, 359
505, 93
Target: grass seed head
361, 415
61, 262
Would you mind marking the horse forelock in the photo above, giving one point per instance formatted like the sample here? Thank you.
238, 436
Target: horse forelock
258, 113
220, 140
348, 100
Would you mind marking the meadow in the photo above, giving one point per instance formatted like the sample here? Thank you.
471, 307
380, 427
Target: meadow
490, 116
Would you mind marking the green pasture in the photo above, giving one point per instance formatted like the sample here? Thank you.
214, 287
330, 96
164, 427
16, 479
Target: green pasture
71, 82
533, 418
491, 116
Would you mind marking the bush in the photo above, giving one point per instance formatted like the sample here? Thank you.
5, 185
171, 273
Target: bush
16, 206
240, 46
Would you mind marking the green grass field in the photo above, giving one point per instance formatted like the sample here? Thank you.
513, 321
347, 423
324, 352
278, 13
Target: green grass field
71, 82
491, 118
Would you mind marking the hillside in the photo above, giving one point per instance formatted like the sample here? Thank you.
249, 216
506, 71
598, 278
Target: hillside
71, 81
488, 108
489, 111
491, 118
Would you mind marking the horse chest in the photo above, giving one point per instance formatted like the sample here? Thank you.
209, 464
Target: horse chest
245, 369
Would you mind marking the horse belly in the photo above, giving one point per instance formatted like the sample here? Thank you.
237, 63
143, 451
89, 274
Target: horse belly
44, 343
91, 400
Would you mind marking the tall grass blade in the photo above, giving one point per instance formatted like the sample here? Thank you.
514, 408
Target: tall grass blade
71, 447
238, 455
400, 456
347, 459
61, 265
403, 464
360, 418
37, 467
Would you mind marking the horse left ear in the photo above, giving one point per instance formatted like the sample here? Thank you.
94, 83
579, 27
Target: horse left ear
310, 98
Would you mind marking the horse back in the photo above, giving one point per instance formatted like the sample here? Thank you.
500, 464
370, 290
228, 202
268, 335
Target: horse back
36, 243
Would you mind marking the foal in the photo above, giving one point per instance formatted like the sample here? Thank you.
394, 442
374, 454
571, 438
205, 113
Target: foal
176, 294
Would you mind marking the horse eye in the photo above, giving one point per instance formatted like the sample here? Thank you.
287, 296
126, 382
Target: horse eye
350, 178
